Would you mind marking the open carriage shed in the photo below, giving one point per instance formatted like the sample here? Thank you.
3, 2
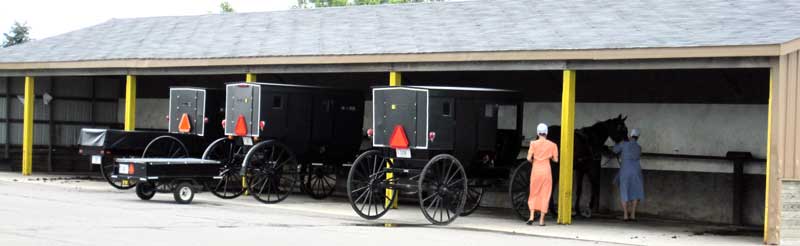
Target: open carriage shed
111, 74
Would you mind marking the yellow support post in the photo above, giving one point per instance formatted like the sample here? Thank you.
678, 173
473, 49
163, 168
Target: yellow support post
769, 141
567, 142
27, 128
130, 102
249, 78
395, 79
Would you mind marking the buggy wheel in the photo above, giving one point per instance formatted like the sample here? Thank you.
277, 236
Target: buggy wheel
145, 190
272, 171
107, 169
366, 185
474, 196
319, 180
183, 193
442, 189
519, 189
230, 154
166, 147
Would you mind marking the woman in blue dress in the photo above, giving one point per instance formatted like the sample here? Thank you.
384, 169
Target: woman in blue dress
631, 189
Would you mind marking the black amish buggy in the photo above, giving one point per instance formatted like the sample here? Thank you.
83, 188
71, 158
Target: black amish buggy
190, 111
443, 144
282, 135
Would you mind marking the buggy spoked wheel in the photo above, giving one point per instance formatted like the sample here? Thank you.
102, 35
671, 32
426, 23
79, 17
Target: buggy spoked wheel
519, 189
474, 195
367, 183
107, 169
230, 154
166, 147
442, 189
272, 171
145, 190
320, 180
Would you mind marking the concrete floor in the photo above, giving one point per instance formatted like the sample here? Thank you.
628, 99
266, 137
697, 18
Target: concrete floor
73, 210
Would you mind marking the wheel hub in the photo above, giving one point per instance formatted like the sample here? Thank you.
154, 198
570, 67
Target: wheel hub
185, 192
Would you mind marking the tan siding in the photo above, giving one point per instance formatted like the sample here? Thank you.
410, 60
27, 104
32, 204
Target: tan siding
795, 113
789, 119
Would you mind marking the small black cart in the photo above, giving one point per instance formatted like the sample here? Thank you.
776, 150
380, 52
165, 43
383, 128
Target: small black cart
183, 177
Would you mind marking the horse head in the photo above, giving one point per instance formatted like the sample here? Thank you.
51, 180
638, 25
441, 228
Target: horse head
616, 128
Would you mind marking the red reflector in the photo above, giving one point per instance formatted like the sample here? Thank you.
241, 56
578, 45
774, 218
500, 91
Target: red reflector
130, 169
241, 126
242, 85
398, 139
261, 125
223, 123
184, 125
370, 132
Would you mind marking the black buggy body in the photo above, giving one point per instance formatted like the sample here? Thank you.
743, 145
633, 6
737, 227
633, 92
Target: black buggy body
434, 141
279, 136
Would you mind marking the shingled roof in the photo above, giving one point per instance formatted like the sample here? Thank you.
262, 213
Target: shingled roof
468, 26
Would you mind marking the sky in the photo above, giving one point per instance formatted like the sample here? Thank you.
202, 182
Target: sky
53, 17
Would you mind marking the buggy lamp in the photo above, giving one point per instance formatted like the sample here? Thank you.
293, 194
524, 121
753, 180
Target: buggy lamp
432, 136
261, 125
167, 117
223, 124
370, 132
205, 120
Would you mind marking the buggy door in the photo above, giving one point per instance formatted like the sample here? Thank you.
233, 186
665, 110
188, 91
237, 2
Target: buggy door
242, 100
406, 107
189, 102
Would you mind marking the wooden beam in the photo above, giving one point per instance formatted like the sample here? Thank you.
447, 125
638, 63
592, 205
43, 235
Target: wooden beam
566, 151
250, 77
27, 127
395, 79
130, 102
537, 55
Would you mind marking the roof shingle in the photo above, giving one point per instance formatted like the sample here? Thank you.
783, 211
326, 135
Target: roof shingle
469, 26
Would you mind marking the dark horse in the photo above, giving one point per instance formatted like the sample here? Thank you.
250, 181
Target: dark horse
589, 147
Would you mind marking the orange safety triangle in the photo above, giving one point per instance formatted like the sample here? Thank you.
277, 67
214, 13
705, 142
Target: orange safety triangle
184, 125
398, 139
241, 126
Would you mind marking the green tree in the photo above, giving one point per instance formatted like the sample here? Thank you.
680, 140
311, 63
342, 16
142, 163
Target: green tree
225, 7
19, 33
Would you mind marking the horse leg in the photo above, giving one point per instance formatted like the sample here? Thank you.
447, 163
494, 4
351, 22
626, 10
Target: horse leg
579, 186
594, 176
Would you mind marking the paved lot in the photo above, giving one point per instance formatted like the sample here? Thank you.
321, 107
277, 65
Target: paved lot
67, 211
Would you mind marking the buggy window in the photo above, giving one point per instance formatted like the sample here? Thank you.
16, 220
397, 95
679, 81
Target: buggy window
446, 108
507, 117
277, 102
488, 110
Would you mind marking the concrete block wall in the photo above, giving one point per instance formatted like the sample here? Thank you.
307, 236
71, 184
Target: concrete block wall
790, 212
